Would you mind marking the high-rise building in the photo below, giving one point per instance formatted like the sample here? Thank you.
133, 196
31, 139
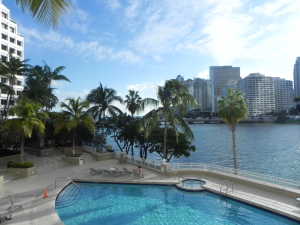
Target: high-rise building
220, 76
200, 89
259, 91
297, 77
11, 42
284, 94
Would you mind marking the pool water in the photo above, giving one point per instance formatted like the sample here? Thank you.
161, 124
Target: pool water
192, 183
124, 204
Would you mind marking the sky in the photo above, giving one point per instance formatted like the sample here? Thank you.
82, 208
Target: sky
139, 44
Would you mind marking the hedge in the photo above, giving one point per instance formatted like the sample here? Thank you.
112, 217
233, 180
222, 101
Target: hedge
22, 165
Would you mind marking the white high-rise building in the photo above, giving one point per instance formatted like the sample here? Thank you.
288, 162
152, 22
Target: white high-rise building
11, 42
284, 94
297, 77
220, 76
259, 91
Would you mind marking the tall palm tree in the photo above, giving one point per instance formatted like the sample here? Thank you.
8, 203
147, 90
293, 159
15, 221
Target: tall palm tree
50, 76
10, 69
232, 109
74, 113
135, 104
47, 12
102, 99
173, 96
28, 116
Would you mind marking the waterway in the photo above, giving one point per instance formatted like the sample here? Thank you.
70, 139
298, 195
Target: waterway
267, 148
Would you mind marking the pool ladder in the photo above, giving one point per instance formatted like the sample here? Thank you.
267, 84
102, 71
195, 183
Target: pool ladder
225, 186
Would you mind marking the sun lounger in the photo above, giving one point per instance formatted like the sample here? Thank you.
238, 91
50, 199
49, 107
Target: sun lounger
107, 172
95, 172
118, 172
127, 171
13, 207
5, 218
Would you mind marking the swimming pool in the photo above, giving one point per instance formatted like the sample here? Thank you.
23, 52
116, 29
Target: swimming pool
98, 203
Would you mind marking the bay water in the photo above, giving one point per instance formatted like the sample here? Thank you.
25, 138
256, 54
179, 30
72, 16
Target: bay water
266, 148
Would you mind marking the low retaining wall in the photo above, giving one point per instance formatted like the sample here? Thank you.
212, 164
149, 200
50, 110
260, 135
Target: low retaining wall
71, 160
40, 152
69, 150
5, 160
104, 156
22, 172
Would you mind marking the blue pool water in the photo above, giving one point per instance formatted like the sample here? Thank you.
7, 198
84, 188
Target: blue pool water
112, 204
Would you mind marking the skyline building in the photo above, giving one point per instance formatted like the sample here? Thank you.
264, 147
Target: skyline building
284, 94
200, 89
220, 76
11, 43
297, 77
259, 90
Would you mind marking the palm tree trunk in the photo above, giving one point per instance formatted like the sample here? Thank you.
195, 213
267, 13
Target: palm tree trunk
165, 140
234, 152
102, 131
22, 148
74, 139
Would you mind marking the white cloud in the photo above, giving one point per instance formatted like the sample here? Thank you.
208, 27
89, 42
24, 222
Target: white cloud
141, 87
204, 74
113, 4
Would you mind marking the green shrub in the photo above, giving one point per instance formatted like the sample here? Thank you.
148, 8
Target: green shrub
22, 165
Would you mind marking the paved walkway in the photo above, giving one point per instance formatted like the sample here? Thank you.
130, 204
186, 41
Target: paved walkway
38, 210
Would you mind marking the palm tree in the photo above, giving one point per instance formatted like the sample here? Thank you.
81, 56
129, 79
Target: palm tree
28, 116
74, 114
102, 99
135, 104
50, 76
232, 109
10, 69
172, 96
47, 12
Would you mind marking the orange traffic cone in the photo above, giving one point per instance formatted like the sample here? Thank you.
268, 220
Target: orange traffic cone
45, 193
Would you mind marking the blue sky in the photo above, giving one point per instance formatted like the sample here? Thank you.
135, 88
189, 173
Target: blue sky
138, 44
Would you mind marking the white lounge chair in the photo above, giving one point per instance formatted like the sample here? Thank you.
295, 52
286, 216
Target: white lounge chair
13, 207
95, 172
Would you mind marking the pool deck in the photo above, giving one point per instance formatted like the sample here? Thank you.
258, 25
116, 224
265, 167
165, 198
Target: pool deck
38, 210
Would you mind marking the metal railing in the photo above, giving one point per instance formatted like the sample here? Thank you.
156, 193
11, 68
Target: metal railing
226, 186
241, 173
144, 162
89, 149
52, 163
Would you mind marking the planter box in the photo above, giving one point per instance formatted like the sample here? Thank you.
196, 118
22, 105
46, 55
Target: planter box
104, 156
71, 160
69, 150
22, 172
40, 152
6, 159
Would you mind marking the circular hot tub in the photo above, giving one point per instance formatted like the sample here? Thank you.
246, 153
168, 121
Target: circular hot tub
190, 184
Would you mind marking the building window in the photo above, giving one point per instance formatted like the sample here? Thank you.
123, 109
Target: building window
11, 102
19, 53
3, 101
19, 43
12, 29
3, 80
19, 92
4, 47
4, 15
12, 50
19, 82
3, 58
4, 36
12, 40
4, 26
3, 91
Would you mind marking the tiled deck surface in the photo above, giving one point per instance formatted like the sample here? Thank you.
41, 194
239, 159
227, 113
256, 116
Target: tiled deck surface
39, 210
